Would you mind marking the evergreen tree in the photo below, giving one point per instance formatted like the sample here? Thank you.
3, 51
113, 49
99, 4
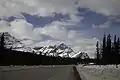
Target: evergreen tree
2, 44
1, 48
115, 50
118, 46
97, 51
104, 49
109, 50
100, 50
118, 50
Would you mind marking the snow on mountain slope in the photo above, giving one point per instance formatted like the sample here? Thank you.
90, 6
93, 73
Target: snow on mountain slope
15, 44
61, 50
11, 41
82, 55
56, 50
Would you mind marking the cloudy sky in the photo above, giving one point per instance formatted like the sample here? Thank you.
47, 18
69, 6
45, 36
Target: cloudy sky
78, 23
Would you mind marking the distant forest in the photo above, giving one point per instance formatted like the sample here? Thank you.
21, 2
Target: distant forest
107, 52
12, 57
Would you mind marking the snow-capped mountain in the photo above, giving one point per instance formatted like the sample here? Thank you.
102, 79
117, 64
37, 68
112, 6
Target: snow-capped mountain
56, 50
61, 50
82, 55
15, 44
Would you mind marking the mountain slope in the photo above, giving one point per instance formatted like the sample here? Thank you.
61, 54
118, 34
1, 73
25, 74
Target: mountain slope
56, 50
61, 50
15, 44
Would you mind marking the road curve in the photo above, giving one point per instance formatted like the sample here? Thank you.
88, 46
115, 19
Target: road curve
40, 73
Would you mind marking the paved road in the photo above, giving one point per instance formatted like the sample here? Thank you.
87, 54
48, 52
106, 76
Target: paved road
39, 73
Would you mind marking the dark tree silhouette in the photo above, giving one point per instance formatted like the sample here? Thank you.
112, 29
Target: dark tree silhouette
118, 50
104, 55
97, 52
110, 50
2, 44
115, 50
1, 47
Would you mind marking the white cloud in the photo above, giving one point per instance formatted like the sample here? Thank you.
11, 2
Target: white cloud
57, 29
75, 19
43, 8
107, 7
105, 25
83, 44
20, 29
54, 30
47, 43
48, 7
73, 38
40, 7
23, 29
4, 26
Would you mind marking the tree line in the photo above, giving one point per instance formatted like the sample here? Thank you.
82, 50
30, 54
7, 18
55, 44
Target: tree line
108, 51
12, 57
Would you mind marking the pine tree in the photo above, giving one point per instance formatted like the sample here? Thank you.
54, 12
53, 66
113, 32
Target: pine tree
118, 50
114, 50
2, 42
115, 43
100, 50
97, 50
1, 48
104, 49
109, 50
118, 45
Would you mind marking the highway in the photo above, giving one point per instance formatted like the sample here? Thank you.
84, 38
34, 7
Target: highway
68, 72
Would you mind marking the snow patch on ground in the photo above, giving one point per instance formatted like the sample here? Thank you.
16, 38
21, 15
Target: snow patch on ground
99, 72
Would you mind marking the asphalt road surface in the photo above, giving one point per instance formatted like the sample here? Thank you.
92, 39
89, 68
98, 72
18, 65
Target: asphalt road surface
39, 73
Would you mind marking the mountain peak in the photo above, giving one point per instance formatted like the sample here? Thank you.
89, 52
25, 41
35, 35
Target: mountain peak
82, 55
5, 33
62, 46
15, 44
56, 50
9, 40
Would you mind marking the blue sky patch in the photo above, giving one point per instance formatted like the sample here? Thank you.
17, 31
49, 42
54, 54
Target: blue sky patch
42, 21
91, 17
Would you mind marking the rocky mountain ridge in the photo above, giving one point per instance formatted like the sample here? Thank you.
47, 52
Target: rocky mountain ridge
61, 50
